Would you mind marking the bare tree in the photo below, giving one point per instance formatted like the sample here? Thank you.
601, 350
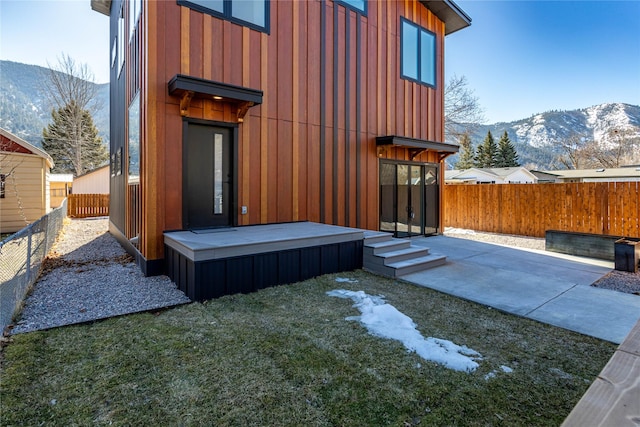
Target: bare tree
69, 82
8, 167
622, 149
577, 152
462, 111
71, 138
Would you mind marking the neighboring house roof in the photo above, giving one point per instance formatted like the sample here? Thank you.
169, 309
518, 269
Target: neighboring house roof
19, 145
92, 171
61, 177
480, 174
545, 176
447, 11
626, 172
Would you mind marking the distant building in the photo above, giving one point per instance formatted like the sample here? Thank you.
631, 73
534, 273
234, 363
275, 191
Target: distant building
624, 174
94, 182
511, 175
59, 187
24, 182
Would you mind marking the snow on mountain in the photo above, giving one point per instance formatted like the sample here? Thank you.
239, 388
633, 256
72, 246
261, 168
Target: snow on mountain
536, 138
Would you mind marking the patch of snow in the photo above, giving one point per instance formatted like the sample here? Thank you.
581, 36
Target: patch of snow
345, 280
494, 373
385, 321
506, 369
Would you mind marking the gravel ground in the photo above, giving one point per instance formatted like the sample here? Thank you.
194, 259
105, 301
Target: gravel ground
88, 276
620, 281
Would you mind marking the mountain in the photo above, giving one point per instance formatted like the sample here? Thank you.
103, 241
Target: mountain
537, 137
24, 113
23, 109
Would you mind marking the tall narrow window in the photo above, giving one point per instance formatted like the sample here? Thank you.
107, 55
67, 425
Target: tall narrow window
134, 13
250, 13
3, 177
418, 51
217, 174
120, 41
134, 139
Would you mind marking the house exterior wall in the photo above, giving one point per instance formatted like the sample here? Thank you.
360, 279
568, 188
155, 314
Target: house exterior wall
26, 191
520, 177
96, 182
58, 192
331, 83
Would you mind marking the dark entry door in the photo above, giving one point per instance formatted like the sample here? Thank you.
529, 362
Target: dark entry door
208, 177
408, 198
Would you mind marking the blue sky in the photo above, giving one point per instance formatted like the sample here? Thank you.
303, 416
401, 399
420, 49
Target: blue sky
520, 57
528, 57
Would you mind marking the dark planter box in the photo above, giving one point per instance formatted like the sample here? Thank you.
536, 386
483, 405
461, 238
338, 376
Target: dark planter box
627, 254
599, 246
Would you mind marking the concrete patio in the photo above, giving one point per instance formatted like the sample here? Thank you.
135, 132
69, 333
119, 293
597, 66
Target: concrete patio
549, 287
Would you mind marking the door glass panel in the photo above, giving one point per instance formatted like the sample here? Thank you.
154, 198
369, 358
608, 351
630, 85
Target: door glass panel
404, 203
415, 200
217, 174
387, 197
431, 199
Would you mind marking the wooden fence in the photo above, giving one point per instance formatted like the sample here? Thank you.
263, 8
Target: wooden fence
530, 209
87, 205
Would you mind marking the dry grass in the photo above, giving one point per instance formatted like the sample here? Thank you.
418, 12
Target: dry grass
287, 356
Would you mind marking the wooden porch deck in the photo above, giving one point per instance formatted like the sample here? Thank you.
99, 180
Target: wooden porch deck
211, 263
614, 397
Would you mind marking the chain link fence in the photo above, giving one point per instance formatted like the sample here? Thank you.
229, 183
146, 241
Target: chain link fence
21, 256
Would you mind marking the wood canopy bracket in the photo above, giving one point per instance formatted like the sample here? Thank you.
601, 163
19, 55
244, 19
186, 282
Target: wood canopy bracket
415, 152
185, 102
243, 107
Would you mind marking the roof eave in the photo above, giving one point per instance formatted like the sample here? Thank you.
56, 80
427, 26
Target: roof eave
451, 14
102, 6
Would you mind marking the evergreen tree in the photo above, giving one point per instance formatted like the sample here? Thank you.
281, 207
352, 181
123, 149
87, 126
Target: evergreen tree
467, 153
487, 153
72, 141
507, 155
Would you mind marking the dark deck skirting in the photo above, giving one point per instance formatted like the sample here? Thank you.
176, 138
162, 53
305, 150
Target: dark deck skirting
212, 263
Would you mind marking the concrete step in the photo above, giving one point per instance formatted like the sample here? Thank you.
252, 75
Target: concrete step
376, 236
390, 257
385, 246
402, 268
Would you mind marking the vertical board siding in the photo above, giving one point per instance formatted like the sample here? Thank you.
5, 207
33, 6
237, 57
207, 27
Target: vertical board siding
331, 83
611, 208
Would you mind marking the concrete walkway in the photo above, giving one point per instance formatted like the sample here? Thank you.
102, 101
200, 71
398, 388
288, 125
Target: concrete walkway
543, 286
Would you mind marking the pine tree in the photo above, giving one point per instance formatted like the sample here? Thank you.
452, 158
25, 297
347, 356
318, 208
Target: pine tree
507, 155
72, 141
467, 153
487, 152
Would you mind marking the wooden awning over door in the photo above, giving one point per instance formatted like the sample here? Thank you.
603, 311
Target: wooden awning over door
188, 87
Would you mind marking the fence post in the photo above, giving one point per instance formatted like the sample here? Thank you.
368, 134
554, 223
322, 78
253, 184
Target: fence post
29, 255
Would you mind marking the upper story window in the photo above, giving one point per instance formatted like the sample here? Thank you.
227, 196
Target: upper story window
418, 53
135, 6
357, 5
250, 13
120, 52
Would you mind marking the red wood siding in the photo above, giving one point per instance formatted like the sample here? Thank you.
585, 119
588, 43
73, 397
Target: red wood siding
304, 153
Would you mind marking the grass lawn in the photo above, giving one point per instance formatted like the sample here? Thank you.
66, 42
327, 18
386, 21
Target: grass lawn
287, 356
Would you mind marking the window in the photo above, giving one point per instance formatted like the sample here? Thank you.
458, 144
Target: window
120, 41
3, 177
134, 13
250, 13
418, 53
357, 5
134, 139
